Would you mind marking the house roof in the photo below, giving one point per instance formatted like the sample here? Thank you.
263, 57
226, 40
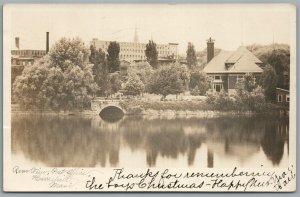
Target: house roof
242, 52
282, 89
241, 61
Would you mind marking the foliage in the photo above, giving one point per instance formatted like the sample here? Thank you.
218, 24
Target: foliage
280, 62
199, 82
152, 54
247, 83
100, 70
268, 82
134, 86
165, 105
114, 82
143, 70
254, 100
27, 89
191, 56
166, 80
113, 57
244, 99
221, 101
62, 80
250, 83
184, 74
195, 91
278, 56
67, 49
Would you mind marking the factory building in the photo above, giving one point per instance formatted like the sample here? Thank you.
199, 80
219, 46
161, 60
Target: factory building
135, 51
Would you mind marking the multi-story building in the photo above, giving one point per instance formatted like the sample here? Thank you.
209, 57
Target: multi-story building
131, 51
25, 57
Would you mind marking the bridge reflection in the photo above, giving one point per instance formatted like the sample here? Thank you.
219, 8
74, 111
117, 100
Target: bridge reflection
89, 141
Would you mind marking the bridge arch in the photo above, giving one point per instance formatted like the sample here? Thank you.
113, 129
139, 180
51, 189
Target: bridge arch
109, 110
111, 113
112, 107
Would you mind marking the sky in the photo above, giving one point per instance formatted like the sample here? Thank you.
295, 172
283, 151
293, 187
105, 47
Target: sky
230, 25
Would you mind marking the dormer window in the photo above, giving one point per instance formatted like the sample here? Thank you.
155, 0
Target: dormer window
228, 65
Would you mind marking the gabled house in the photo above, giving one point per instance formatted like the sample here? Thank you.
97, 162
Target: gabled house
228, 67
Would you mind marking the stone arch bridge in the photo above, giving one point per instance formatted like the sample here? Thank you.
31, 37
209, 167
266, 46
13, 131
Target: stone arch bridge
97, 105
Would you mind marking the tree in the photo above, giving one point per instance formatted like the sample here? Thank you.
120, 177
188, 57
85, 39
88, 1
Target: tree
134, 86
66, 49
62, 80
199, 82
27, 88
114, 82
100, 70
166, 80
268, 82
184, 74
277, 55
280, 62
143, 70
113, 57
191, 56
152, 54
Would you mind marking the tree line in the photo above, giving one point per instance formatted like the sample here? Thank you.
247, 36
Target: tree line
71, 75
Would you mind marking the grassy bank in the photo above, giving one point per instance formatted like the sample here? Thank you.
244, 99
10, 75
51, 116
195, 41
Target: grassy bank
137, 106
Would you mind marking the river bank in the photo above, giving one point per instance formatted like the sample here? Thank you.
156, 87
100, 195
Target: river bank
169, 109
155, 113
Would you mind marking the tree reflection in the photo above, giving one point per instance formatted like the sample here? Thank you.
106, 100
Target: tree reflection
273, 141
73, 141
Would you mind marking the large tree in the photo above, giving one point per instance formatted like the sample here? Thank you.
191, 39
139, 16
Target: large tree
268, 81
62, 80
152, 54
100, 70
278, 56
191, 56
72, 50
280, 62
166, 80
113, 57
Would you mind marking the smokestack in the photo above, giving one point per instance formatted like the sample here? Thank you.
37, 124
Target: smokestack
17, 42
47, 42
210, 49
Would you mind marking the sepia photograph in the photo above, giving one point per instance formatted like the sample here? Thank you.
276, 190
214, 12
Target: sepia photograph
150, 97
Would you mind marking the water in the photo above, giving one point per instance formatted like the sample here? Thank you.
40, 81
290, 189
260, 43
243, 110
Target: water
88, 141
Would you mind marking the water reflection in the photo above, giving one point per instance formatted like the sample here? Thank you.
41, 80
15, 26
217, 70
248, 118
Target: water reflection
72, 141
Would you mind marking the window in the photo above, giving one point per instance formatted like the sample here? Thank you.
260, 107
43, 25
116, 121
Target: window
279, 98
217, 77
287, 98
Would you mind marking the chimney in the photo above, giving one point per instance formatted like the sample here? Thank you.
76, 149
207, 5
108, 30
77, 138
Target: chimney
47, 42
210, 49
17, 42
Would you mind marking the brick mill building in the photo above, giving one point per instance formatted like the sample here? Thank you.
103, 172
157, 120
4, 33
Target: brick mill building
135, 51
